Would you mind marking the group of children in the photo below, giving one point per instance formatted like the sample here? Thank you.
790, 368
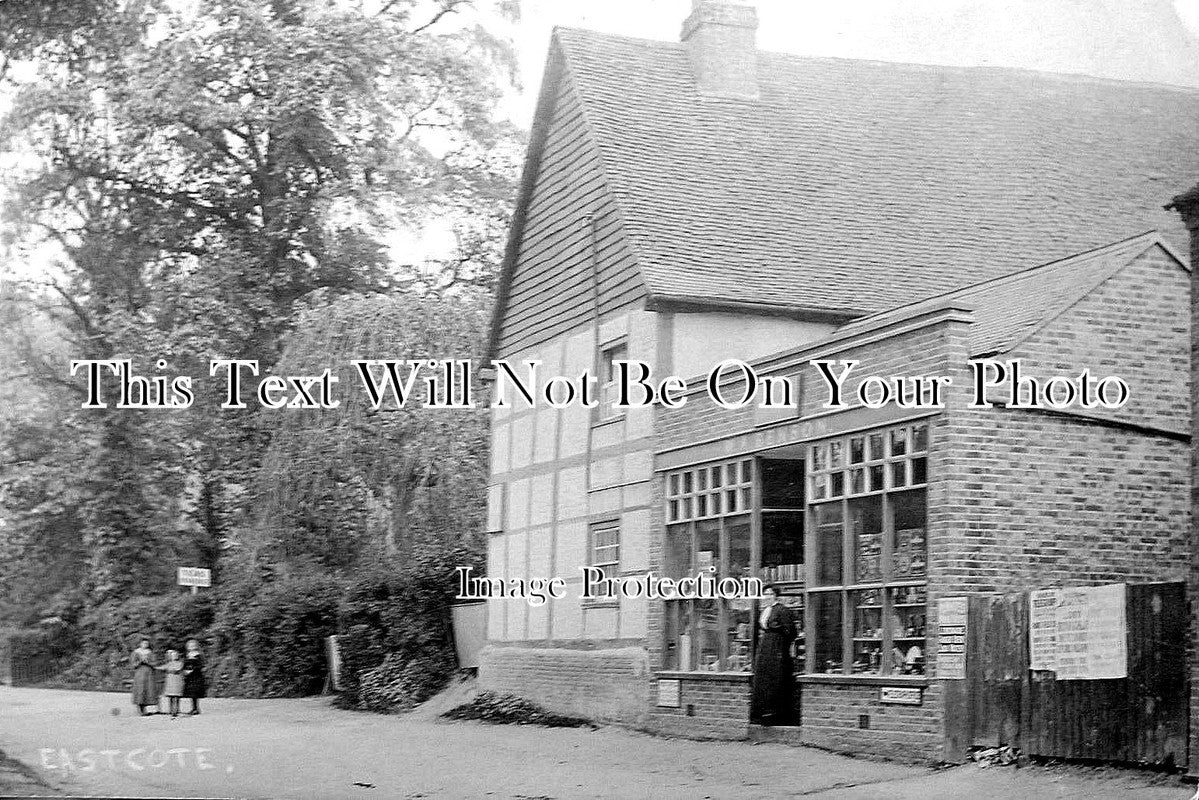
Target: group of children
184, 677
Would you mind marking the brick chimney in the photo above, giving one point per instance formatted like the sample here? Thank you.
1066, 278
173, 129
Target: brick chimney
1187, 206
720, 45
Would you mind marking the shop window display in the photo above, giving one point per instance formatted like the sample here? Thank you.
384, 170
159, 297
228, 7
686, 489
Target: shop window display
870, 542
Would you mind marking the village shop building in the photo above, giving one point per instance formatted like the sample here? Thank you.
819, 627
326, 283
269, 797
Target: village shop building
687, 203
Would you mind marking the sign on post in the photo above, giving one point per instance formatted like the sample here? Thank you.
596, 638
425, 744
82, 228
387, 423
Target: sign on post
195, 577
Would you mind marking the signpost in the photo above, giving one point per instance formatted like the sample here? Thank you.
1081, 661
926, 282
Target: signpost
195, 577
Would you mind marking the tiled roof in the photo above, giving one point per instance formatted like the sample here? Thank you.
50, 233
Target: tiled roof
1010, 308
860, 186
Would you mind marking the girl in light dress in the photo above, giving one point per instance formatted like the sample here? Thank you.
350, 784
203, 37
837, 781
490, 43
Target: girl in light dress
173, 689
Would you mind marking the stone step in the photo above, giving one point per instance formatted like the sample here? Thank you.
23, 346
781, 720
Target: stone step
781, 734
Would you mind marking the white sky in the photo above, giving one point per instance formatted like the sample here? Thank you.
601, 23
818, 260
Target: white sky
1109, 38
1153, 40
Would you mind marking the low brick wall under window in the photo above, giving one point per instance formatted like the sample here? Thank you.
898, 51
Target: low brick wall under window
608, 685
710, 707
833, 719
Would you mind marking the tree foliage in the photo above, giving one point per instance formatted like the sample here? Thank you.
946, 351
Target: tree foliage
404, 482
202, 171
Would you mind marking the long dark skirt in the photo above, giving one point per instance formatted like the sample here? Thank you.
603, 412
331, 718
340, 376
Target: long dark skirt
773, 683
145, 686
194, 685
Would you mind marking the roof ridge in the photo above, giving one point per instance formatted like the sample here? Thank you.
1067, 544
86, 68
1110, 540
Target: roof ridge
999, 280
958, 69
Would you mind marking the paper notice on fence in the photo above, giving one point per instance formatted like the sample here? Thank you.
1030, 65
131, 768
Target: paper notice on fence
1092, 633
951, 638
1042, 629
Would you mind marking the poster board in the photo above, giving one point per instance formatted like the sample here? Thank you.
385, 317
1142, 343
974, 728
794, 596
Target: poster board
1042, 629
951, 638
1081, 632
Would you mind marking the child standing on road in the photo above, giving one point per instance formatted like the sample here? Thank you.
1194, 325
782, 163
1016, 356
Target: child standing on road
174, 682
194, 685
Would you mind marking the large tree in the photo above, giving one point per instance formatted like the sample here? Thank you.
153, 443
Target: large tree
199, 169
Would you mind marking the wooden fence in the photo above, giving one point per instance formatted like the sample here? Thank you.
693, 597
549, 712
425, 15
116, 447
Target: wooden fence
1139, 719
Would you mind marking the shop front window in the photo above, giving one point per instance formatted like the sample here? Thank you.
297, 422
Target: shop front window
708, 635
869, 533
855, 506
710, 528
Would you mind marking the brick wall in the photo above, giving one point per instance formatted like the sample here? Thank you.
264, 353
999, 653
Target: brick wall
710, 707
833, 719
610, 685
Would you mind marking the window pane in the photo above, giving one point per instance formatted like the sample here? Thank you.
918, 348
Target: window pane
857, 450
739, 536
674, 484
836, 484
899, 474
687, 481
920, 438
673, 622
908, 616
707, 544
746, 471
819, 458
717, 475
730, 498
826, 648
714, 503
701, 506
702, 477
876, 478
875, 450
909, 550
857, 481
920, 470
866, 530
819, 487
834, 454
867, 631
899, 441
707, 632
674, 510
676, 560
829, 539
740, 632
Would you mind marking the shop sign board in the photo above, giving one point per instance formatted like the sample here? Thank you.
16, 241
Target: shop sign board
670, 693
901, 695
951, 638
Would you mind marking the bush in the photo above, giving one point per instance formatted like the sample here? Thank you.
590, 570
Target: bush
396, 642
284, 633
109, 632
508, 709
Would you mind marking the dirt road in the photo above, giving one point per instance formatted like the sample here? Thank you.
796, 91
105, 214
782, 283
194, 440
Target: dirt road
306, 749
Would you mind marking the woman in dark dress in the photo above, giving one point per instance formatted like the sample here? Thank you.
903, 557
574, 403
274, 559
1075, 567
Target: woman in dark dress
145, 685
193, 675
773, 682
